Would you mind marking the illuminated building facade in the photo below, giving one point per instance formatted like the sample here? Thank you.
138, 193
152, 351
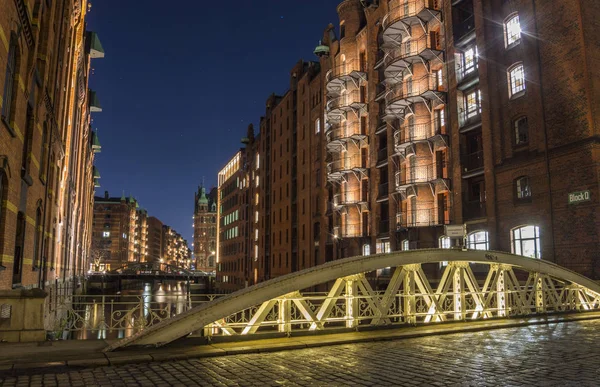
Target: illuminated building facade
47, 147
176, 251
119, 234
205, 230
426, 113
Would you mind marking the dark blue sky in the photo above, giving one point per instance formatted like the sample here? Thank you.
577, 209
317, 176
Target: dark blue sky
180, 83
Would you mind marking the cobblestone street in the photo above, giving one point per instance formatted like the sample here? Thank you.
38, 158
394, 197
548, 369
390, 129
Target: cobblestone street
543, 355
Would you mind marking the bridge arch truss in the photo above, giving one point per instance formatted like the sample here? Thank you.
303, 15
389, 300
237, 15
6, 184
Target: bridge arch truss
507, 285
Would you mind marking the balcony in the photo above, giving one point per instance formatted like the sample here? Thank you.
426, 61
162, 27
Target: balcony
353, 230
418, 174
339, 133
474, 210
421, 218
472, 162
411, 91
349, 71
464, 28
426, 47
349, 197
382, 157
403, 14
383, 191
467, 74
339, 106
341, 165
469, 119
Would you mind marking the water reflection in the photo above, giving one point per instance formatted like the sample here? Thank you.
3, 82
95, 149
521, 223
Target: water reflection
115, 316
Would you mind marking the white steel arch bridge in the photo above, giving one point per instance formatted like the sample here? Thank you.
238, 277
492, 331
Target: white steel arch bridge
511, 285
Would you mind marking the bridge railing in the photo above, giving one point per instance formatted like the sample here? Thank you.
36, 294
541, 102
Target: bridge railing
114, 316
358, 305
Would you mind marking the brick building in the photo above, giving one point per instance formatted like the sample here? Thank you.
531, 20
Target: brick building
205, 230
425, 113
47, 146
119, 233
155, 239
175, 251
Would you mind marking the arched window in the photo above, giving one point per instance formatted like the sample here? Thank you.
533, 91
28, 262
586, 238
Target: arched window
522, 188
516, 79
526, 241
405, 245
9, 80
444, 242
366, 249
512, 30
478, 240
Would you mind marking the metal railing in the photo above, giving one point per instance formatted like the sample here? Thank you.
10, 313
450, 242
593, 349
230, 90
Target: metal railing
114, 316
345, 100
421, 218
349, 197
415, 175
410, 48
347, 68
345, 129
413, 88
400, 9
352, 230
472, 161
345, 163
412, 133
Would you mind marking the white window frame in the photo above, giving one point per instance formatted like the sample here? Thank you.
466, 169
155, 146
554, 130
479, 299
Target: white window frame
512, 30
518, 241
473, 103
517, 128
405, 245
516, 80
478, 240
317, 126
366, 249
105, 234
444, 242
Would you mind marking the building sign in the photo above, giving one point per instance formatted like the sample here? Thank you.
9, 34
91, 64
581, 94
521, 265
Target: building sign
455, 231
578, 197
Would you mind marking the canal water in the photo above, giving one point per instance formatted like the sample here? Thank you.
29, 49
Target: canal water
118, 314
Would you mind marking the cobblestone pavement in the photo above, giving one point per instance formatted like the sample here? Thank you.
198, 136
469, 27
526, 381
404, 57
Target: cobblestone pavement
541, 355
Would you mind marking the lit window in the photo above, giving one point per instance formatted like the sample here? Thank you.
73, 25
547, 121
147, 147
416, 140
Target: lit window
106, 234
469, 60
256, 234
473, 102
256, 217
256, 199
257, 180
366, 249
255, 252
512, 31
318, 126
478, 240
257, 160
516, 78
523, 188
521, 131
526, 241
383, 247
444, 242
405, 245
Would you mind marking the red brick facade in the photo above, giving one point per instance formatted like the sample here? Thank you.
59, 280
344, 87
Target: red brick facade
432, 112
46, 143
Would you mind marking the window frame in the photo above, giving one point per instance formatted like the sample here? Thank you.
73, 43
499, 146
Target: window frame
522, 194
472, 113
10, 90
516, 90
517, 133
442, 240
473, 243
512, 40
514, 239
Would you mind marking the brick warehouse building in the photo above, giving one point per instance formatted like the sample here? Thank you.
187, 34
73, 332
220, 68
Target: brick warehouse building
47, 146
425, 113
124, 233
205, 229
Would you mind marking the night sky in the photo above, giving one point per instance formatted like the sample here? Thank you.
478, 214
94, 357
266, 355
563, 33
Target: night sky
179, 85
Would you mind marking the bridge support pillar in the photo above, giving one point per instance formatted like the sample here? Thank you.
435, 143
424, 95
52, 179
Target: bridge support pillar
458, 282
352, 303
285, 315
410, 301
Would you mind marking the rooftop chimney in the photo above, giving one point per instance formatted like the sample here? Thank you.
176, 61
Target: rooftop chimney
105, 194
